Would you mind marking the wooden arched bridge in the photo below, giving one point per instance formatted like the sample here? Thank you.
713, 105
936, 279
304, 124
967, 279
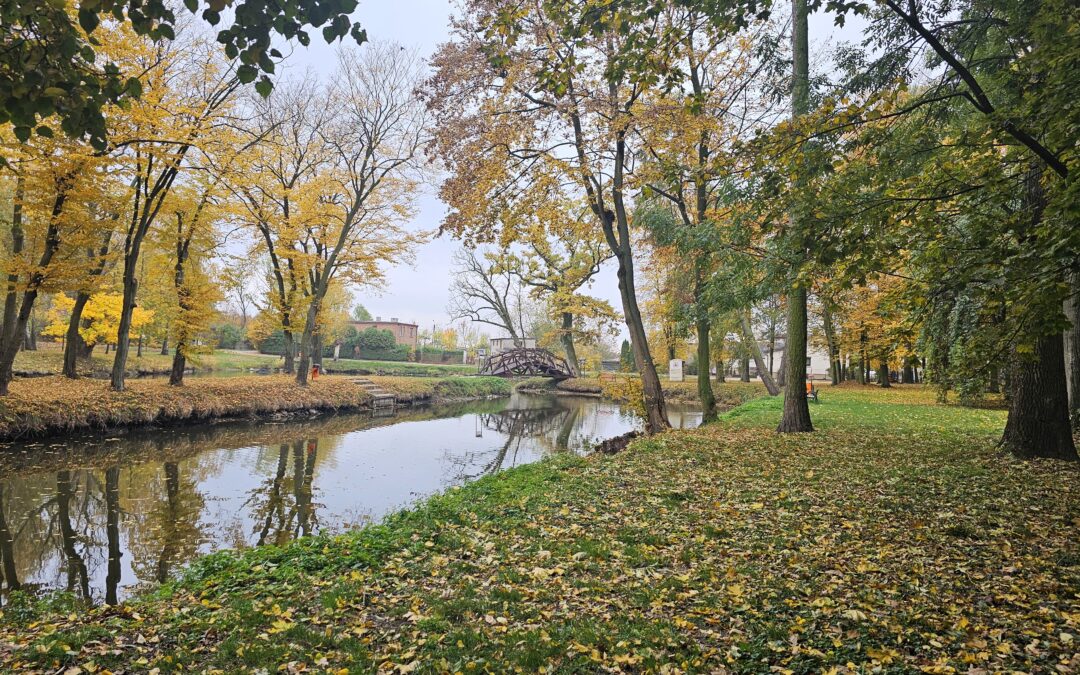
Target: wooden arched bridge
527, 362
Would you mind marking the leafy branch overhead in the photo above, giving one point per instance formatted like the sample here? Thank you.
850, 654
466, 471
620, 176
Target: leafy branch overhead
53, 62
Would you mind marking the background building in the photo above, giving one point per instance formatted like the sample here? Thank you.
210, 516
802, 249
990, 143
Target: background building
404, 333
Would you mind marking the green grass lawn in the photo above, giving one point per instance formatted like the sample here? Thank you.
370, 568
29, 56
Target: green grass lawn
49, 359
894, 539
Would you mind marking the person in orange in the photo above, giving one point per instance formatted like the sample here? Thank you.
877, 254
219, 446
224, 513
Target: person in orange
315, 371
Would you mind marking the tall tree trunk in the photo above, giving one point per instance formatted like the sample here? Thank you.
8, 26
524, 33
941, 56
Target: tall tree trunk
123, 333
74, 345
796, 415
835, 366
567, 339
183, 301
289, 366
1038, 422
755, 351
306, 341
781, 374
112, 533
704, 382
11, 293
655, 409
744, 368
1072, 347
721, 376
883, 374
13, 331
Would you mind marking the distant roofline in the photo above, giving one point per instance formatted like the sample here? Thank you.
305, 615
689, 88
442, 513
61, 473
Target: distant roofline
396, 323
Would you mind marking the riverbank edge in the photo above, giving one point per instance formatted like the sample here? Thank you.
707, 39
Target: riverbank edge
728, 394
47, 406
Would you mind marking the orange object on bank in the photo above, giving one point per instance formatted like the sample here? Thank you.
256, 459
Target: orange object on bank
315, 372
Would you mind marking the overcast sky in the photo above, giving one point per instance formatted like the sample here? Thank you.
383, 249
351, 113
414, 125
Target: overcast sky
419, 294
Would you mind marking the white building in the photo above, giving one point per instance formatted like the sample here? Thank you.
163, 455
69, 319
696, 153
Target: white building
817, 361
500, 345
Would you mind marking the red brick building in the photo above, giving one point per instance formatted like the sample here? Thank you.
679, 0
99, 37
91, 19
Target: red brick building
404, 333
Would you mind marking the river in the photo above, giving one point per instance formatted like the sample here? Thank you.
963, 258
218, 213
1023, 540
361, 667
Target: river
105, 515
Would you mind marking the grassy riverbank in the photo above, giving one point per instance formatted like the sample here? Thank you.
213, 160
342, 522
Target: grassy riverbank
894, 539
728, 394
46, 405
48, 360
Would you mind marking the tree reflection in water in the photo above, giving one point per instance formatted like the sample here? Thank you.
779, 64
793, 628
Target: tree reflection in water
112, 532
552, 425
277, 521
7, 554
100, 516
77, 576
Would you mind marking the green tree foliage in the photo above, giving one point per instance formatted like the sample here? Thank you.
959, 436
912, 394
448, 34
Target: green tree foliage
626, 358
50, 60
360, 313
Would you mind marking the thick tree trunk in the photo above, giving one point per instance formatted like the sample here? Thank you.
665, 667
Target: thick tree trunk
796, 414
655, 410
1038, 422
123, 333
755, 351
1072, 347
883, 374
289, 366
306, 342
183, 301
179, 364
566, 337
721, 376
744, 368
74, 345
165, 343
11, 293
704, 383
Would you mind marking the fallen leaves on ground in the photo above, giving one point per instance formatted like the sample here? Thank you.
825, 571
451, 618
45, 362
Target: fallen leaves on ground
896, 539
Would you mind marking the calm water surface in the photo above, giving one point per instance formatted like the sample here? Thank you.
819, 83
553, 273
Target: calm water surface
102, 516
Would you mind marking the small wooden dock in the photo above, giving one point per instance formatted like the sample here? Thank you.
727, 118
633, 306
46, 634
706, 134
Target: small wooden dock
381, 400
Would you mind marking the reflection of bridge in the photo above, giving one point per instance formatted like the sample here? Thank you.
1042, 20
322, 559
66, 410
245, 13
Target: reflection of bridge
525, 361
519, 422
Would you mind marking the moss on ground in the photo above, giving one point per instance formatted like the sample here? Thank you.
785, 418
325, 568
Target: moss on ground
894, 539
